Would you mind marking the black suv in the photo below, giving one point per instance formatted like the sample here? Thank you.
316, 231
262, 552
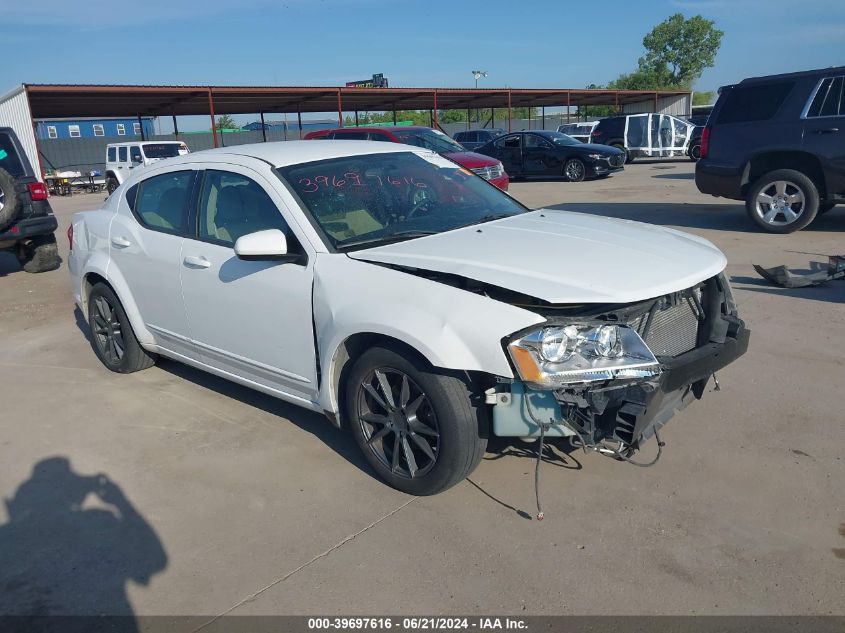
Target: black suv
778, 143
27, 223
473, 139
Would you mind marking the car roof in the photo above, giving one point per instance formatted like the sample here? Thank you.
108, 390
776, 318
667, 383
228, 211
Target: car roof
833, 70
284, 153
376, 128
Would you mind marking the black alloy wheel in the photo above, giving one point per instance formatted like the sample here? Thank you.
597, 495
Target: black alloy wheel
574, 170
107, 330
398, 422
112, 337
421, 429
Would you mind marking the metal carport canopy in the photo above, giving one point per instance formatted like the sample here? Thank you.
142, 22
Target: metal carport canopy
56, 101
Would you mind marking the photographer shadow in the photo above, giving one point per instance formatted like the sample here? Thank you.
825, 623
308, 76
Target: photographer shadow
69, 547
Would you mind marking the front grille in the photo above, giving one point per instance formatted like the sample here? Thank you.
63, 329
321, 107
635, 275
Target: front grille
672, 328
491, 172
616, 161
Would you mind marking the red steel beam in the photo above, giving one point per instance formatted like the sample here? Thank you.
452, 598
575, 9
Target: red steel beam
213, 122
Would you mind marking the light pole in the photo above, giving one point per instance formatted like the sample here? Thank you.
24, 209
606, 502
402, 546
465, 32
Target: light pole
478, 74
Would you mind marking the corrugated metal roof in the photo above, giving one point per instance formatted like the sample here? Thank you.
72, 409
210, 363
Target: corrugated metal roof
103, 100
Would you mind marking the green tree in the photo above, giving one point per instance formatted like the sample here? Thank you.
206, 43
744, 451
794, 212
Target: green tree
703, 98
226, 122
678, 50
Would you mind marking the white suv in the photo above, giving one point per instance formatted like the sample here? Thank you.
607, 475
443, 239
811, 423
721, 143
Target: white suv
121, 158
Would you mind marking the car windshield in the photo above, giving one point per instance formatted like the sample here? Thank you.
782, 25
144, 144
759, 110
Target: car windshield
429, 139
560, 139
361, 201
161, 150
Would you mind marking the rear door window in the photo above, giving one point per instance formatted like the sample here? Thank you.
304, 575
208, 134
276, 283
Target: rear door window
9, 158
161, 202
754, 103
122, 154
829, 99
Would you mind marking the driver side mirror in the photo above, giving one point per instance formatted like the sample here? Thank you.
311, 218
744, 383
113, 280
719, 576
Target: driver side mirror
270, 244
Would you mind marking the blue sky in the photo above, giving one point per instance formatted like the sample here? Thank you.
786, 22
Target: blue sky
529, 44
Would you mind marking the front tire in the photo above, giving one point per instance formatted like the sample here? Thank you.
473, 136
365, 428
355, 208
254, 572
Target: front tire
39, 255
111, 185
782, 201
574, 170
112, 337
416, 427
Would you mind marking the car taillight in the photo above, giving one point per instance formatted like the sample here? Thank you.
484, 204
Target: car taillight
705, 142
596, 133
70, 237
37, 190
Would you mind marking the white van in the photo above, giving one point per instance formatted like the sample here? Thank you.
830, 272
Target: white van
121, 158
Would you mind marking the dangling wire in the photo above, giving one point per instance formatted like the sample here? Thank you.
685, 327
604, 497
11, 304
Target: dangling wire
540, 514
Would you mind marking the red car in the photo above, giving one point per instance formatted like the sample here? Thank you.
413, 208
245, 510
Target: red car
486, 167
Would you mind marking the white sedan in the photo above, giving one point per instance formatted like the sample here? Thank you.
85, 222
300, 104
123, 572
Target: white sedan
406, 298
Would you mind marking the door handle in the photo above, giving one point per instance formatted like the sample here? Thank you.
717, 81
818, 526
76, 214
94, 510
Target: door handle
120, 242
827, 130
193, 261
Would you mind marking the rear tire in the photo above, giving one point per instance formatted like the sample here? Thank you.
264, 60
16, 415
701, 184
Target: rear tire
111, 185
695, 152
423, 437
39, 255
112, 337
782, 201
9, 199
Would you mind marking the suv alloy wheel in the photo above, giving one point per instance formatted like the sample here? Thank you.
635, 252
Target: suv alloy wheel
782, 201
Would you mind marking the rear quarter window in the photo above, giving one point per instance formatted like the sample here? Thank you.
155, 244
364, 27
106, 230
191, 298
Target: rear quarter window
754, 103
10, 160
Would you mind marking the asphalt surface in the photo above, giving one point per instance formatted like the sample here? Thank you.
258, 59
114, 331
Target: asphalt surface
228, 501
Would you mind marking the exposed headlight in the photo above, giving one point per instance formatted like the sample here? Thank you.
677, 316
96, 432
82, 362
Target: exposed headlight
596, 156
566, 354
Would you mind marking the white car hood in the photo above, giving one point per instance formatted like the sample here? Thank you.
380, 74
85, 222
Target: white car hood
563, 257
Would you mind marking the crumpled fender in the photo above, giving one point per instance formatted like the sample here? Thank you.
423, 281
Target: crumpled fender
450, 327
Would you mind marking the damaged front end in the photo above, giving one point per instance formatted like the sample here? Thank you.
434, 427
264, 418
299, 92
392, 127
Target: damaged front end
609, 377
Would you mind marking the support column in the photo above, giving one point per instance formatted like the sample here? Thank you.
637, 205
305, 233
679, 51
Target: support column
435, 111
339, 110
213, 122
175, 128
263, 127
394, 114
468, 117
510, 113
543, 115
356, 118
299, 120
568, 105
141, 126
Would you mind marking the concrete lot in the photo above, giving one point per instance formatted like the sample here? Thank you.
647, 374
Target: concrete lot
247, 505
